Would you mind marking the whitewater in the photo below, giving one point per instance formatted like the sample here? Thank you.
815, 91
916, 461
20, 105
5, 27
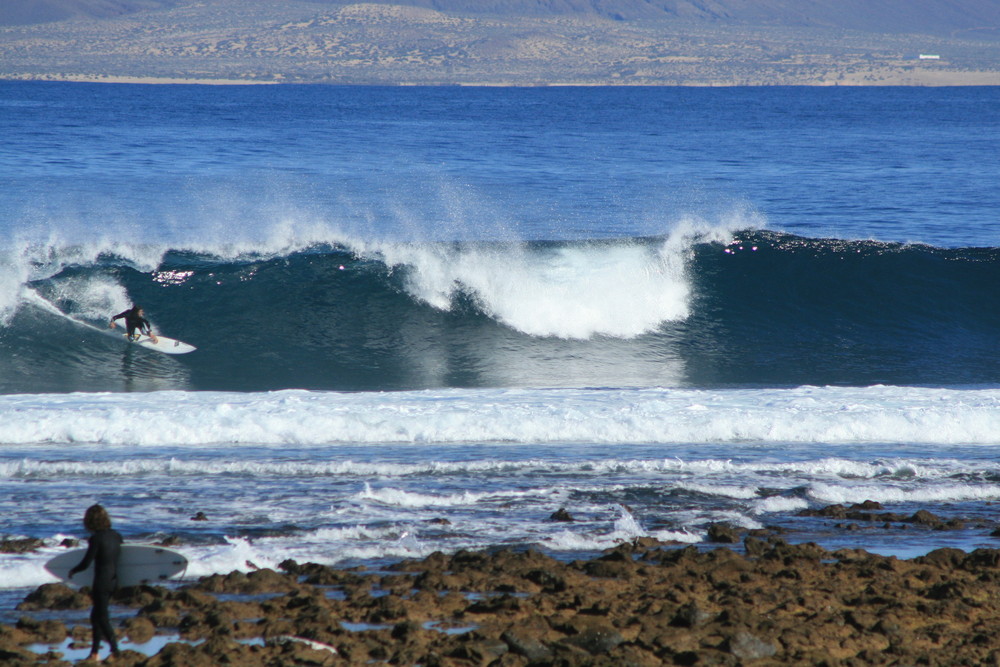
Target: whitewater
429, 319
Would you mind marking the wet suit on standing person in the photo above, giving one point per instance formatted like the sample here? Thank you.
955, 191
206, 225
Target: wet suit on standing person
103, 550
135, 319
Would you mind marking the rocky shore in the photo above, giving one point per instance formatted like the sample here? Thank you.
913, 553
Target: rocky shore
643, 603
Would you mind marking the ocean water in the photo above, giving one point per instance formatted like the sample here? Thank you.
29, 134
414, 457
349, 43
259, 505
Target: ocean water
428, 318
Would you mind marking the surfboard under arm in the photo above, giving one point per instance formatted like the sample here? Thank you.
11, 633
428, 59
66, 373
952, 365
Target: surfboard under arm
139, 564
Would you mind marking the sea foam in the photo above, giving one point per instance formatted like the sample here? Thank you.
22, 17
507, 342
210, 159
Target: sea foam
805, 414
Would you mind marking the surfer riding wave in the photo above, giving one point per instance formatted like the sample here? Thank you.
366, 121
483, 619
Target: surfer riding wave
134, 320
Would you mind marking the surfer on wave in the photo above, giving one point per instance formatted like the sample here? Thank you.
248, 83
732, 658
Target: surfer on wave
135, 319
103, 550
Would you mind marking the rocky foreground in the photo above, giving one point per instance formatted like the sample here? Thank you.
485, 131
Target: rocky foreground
639, 604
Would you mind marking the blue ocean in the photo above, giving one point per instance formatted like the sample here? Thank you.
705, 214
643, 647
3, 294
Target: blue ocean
429, 318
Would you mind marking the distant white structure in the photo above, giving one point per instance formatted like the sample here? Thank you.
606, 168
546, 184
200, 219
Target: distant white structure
929, 56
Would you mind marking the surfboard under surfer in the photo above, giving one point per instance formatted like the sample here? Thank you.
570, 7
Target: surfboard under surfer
135, 319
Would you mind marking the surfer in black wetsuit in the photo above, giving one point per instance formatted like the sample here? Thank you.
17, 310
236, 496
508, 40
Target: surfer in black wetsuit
134, 320
103, 550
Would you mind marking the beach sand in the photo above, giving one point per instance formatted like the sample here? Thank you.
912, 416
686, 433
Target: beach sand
642, 603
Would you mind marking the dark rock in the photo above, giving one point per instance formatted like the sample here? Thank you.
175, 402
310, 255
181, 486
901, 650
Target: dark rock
45, 632
561, 515
54, 597
20, 546
139, 629
690, 616
548, 580
867, 505
745, 646
925, 518
530, 647
596, 640
723, 533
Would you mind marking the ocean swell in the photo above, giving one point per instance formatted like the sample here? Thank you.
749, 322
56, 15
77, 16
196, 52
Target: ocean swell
754, 308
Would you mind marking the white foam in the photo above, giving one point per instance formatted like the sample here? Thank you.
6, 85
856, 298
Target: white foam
779, 504
803, 415
619, 289
939, 493
276, 467
400, 498
237, 554
725, 491
625, 529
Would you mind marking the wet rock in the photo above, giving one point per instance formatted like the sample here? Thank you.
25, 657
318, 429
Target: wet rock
550, 581
864, 512
139, 629
529, 646
780, 603
20, 545
15, 656
561, 515
746, 646
256, 582
691, 615
163, 613
867, 505
723, 533
610, 568
926, 518
483, 652
596, 640
45, 632
54, 597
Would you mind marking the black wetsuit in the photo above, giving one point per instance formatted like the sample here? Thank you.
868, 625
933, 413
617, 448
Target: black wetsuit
103, 549
133, 321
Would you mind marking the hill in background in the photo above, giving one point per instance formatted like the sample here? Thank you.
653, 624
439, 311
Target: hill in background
519, 42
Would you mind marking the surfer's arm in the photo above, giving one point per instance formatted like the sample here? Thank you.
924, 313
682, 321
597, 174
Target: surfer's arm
111, 325
87, 559
149, 331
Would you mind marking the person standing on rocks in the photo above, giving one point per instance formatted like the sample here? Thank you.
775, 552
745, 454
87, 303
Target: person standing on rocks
103, 550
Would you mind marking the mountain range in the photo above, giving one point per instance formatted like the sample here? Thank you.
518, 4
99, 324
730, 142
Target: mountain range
521, 42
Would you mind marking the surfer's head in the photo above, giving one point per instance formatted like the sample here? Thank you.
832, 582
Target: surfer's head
96, 518
136, 309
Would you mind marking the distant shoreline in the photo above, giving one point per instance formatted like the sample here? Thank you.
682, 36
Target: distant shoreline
397, 42
970, 79
145, 80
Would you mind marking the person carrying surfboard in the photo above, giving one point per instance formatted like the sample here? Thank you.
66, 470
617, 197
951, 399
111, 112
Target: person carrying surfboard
135, 319
104, 548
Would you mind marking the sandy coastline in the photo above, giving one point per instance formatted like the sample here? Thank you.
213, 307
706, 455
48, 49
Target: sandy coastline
83, 78
644, 603
927, 79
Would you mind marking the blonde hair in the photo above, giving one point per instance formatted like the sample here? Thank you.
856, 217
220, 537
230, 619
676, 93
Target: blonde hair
96, 518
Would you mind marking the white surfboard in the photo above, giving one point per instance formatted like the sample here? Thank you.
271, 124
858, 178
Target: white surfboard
162, 344
138, 564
